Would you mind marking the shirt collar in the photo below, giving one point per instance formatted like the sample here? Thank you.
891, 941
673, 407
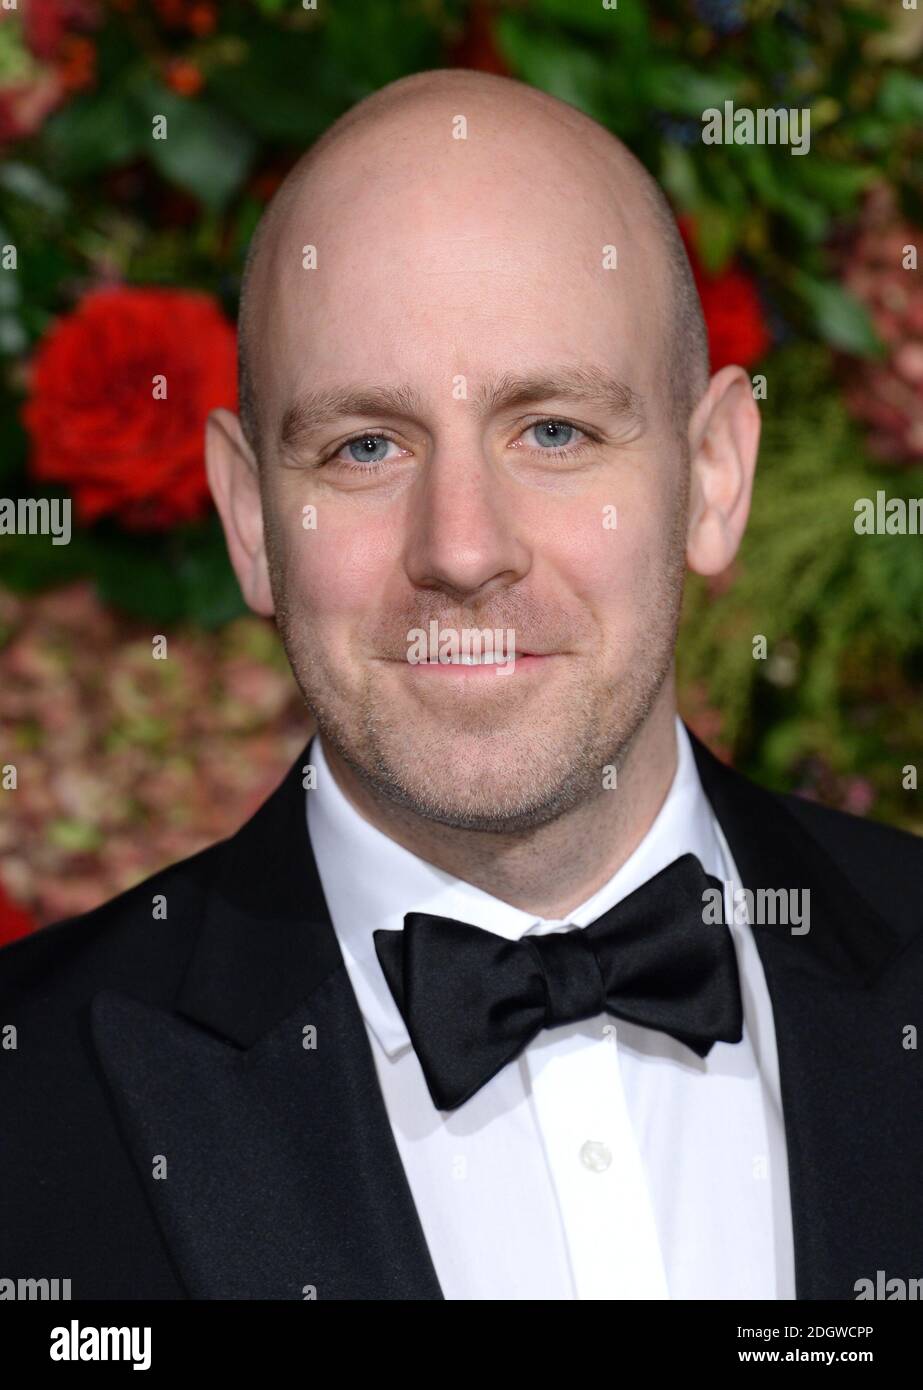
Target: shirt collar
370, 881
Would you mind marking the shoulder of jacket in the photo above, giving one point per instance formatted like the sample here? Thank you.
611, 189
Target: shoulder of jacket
118, 935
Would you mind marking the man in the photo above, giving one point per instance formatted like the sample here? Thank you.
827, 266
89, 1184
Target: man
455, 1014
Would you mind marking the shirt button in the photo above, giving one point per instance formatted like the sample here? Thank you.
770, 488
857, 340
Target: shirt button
595, 1156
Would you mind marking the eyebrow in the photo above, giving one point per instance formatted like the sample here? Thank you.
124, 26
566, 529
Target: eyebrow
589, 385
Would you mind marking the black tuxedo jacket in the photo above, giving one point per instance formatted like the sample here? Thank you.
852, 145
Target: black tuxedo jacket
142, 1042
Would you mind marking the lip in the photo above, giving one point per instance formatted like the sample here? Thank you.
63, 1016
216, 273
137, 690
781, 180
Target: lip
436, 670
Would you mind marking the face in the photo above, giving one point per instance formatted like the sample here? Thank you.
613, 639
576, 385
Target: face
502, 484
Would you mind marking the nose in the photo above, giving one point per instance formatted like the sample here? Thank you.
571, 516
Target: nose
463, 534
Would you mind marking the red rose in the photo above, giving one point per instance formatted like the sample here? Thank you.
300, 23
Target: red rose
93, 415
733, 314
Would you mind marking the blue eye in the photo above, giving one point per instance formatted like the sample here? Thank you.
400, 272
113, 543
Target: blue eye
367, 452
369, 448
553, 434
557, 438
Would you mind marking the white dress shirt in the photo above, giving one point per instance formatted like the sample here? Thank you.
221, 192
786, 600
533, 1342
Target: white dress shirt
608, 1160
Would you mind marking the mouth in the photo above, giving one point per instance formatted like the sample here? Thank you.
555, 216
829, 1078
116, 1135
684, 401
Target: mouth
479, 665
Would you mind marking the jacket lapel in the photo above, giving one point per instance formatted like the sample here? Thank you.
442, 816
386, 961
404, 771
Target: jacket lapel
276, 1169
253, 1109
850, 1100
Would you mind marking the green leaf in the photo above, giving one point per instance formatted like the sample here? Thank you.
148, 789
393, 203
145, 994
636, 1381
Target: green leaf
13, 337
865, 21
679, 176
93, 132
900, 96
867, 131
10, 292
723, 183
566, 71
591, 16
133, 576
841, 319
717, 233
686, 91
183, 574
771, 177
32, 562
30, 184
211, 593
265, 84
837, 184
15, 441
392, 45
205, 151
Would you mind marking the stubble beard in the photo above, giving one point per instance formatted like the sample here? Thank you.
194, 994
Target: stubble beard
503, 784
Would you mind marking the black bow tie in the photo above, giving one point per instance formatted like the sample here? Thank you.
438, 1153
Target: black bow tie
472, 1000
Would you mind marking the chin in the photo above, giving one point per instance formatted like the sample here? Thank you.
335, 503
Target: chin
508, 811
495, 782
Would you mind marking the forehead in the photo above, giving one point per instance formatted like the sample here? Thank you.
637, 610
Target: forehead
407, 255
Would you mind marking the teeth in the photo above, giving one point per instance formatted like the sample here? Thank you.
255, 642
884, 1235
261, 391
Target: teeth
478, 661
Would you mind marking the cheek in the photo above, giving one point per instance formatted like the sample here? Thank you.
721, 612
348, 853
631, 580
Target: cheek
611, 555
338, 573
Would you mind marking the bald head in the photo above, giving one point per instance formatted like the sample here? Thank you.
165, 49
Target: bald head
395, 125
471, 342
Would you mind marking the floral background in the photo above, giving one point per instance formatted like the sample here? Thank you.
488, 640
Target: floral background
120, 257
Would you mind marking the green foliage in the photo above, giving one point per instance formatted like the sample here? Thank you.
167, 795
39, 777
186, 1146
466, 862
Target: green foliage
840, 319
837, 609
207, 152
183, 575
285, 88
92, 196
649, 74
202, 586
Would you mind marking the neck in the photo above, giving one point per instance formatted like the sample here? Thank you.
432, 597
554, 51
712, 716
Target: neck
554, 868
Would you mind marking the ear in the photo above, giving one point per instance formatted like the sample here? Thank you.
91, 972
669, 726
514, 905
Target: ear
233, 477
724, 436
